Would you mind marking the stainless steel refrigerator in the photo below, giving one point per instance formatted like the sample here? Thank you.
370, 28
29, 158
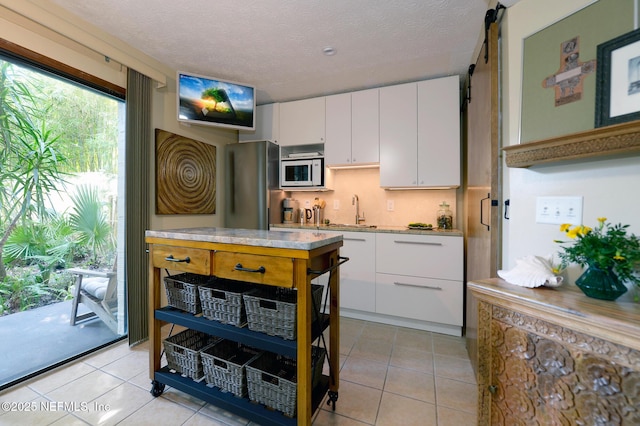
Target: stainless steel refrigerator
253, 199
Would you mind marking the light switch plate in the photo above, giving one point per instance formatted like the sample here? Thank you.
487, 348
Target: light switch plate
336, 204
559, 210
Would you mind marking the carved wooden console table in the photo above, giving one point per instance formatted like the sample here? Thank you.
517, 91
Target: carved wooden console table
553, 356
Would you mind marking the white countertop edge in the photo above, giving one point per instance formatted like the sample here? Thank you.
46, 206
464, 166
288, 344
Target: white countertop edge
250, 237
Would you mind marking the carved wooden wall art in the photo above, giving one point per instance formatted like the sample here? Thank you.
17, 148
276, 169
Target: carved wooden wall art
185, 175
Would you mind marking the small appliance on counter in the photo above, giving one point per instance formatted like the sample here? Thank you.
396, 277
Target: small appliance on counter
289, 210
304, 215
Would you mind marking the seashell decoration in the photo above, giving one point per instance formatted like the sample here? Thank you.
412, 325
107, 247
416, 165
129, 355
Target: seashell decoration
532, 271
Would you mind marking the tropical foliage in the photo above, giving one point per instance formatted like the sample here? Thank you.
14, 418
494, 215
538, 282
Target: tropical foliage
50, 131
30, 169
90, 223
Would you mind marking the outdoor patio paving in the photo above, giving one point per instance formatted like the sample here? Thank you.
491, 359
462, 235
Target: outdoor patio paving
39, 338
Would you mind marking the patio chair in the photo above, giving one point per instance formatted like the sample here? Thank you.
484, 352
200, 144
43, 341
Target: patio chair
97, 290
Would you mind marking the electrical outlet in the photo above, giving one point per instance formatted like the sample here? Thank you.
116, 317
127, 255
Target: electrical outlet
307, 203
390, 205
336, 204
559, 210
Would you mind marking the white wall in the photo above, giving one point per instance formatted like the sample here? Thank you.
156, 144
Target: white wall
610, 188
165, 117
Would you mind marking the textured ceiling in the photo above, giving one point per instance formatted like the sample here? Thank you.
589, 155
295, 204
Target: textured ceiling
276, 45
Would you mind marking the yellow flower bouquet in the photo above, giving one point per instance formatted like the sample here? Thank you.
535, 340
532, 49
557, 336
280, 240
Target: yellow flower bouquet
610, 254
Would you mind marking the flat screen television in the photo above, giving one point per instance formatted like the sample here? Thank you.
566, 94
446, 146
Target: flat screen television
214, 102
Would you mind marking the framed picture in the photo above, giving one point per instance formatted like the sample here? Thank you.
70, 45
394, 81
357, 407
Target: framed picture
618, 80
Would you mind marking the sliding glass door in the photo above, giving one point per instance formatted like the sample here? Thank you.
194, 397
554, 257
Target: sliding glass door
62, 289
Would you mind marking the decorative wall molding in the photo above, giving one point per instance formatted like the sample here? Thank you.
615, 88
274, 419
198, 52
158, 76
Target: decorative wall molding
616, 140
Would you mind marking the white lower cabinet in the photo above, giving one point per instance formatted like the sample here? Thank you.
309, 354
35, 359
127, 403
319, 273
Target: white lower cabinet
420, 277
358, 275
429, 256
408, 280
419, 298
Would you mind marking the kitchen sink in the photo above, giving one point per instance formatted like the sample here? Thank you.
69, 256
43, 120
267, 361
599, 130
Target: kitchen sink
350, 225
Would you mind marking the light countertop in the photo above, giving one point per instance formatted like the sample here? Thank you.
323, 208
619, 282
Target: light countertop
378, 229
249, 237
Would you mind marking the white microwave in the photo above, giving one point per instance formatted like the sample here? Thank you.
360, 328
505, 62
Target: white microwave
307, 172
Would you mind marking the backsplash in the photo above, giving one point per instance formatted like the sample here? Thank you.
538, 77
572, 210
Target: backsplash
408, 205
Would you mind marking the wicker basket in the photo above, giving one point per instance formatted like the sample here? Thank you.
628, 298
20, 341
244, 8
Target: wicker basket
224, 365
272, 310
272, 379
182, 291
183, 352
223, 301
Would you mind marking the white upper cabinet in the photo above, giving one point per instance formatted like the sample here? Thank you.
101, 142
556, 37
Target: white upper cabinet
352, 128
302, 122
337, 148
420, 134
267, 125
439, 132
398, 135
365, 127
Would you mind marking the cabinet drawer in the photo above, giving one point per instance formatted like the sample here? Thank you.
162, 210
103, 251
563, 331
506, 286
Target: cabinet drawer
277, 270
174, 258
422, 299
428, 256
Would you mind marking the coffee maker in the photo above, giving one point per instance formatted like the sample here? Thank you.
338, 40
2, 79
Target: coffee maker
289, 210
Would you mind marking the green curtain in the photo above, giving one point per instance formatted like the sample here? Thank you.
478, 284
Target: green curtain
138, 144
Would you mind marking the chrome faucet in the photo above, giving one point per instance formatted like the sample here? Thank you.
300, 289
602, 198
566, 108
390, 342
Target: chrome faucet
356, 201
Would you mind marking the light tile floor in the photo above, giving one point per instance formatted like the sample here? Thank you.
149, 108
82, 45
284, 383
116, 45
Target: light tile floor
389, 376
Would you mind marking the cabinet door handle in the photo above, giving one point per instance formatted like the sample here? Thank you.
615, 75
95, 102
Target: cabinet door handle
260, 270
353, 239
424, 243
430, 287
493, 389
170, 258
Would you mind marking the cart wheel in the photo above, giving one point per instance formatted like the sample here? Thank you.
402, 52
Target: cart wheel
333, 397
157, 388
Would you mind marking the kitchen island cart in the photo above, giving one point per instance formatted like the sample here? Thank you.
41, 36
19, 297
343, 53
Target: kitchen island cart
263, 258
